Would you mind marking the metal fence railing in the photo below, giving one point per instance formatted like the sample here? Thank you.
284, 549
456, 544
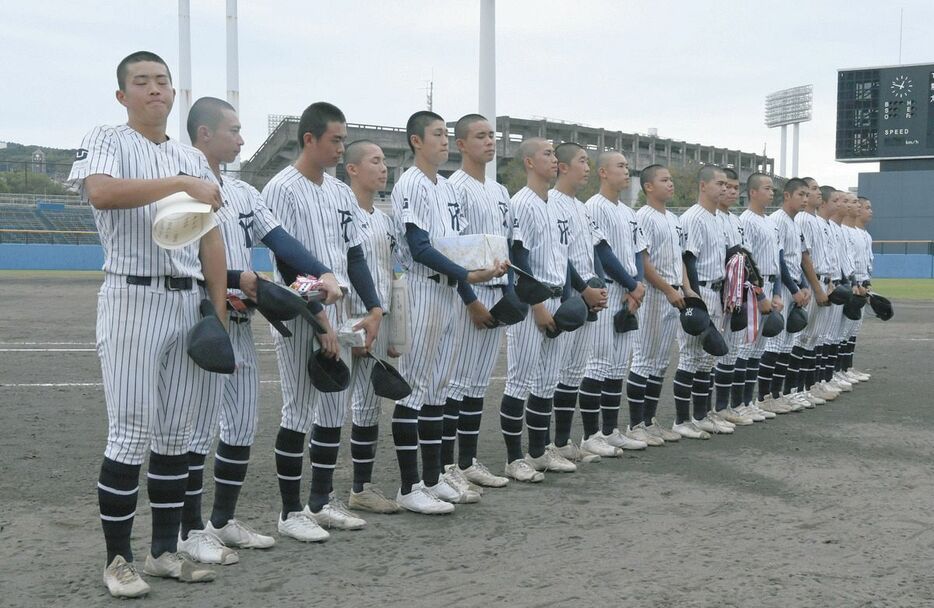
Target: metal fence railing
903, 247
49, 237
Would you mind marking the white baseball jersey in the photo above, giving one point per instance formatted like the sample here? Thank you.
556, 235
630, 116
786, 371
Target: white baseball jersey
320, 217
664, 239
618, 223
867, 244
732, 229
244, 221
832, 252
844, 254
791, 242
546, 235
704, 238
761, 234
857, 247
432, 206
816, 240
379, 242
126, 234
584, 233
486, 207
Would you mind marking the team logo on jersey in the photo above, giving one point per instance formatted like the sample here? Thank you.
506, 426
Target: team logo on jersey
454, 209
405, 202
247, 228
392, 241
504, 209
346, 220
635, 230
682, 235
563, 229
81, 154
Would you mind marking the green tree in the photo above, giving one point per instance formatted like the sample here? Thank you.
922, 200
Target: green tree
25, 182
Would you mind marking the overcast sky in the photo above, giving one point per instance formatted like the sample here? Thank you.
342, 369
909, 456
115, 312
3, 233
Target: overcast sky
697, 71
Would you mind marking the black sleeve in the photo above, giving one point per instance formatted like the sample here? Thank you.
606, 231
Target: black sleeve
424, 253
574, 279
690, 264
613, 266
289, 251
787, 281
361, 279
233, 279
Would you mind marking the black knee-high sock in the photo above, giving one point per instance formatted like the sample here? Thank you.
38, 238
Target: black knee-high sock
778, 376
611, 395
752, 375
363, 453
850, 350
806, 380
117, 492
766, 373
739, 383
230, 464
637, 395
653, 390
290, 452
452, 410
165, 484
841, 356
683, 386
538, 420
700, 393
405, 438
322, 449
511, 415
723, 378
591, 392
565, 402
194, 488
468, 431
832, 360
430, 429
796, 367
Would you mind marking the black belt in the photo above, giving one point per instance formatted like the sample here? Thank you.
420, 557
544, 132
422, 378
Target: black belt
714, 285
770, 278
171, 283
836, 283
826, 280
238, 319
437, 279
500, 287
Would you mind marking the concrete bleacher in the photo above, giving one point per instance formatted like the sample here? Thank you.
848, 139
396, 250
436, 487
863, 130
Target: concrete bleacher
45, 222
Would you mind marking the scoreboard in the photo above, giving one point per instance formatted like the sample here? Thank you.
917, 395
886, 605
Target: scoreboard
885, 113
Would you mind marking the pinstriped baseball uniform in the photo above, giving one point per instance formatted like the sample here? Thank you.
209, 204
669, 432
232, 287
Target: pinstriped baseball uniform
584, 237
142, 330
379, 241
856, 247
322, 219
761, 235
488, 211
705, 239
792, 243
817, 243
435, 208
534, 361
658, 319
618, 223
847, 268
733, 233
244, 220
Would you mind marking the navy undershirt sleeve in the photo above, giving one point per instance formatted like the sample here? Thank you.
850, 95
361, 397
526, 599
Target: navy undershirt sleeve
361, 279
640, 266
690, 264
787, 281
424, 253
611, 264
291, 252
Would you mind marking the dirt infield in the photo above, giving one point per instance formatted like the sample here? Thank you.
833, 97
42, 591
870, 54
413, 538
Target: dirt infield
825, 508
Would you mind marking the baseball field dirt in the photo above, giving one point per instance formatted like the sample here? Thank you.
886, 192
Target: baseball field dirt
825, 508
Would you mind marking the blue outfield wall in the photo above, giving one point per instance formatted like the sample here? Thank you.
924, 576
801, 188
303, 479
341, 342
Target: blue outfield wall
14, 256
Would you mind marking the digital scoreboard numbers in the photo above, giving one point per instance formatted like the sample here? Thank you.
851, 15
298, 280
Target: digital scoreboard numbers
885, 113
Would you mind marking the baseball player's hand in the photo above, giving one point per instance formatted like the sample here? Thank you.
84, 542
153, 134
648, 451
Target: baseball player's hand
821, 296
777, 304
801, 297
330, 288
328, 340
543, 319
370, 324
498, 269
357, 351
765, 306
248, 283
638, 293
862, 290
675, 298
203, 191
595, 298
480, 315
631, 303
392, 352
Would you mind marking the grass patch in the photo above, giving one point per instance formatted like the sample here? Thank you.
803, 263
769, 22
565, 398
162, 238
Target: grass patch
905, 289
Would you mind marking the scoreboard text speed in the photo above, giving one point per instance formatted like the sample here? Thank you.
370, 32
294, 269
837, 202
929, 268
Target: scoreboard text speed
885, 113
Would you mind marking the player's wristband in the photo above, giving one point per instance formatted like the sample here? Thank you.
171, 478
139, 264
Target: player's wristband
233, 279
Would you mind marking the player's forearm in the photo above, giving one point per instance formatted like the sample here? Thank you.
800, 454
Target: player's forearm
613, 267
790, 284
360, 278
288, 249
105, 192
424, 253
652, 276
466, 293
214, 267
807, 266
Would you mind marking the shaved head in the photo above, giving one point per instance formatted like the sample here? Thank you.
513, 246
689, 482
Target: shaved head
566, 151
605, 159
355, 151
462, 127
529, 147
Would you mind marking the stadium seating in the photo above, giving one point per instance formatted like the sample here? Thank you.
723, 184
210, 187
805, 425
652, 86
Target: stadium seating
59, 224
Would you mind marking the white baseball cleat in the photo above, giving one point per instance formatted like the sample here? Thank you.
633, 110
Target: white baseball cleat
454, 477
659, 431
239, 535
336, 515
478, 474
372, 500
123, 580
206, 548
620, 440
689, 430
521, 470
736, 418
597, 444
711, 424
177, 565
420, 500
301, 525
639, 433
551, 460
719, 420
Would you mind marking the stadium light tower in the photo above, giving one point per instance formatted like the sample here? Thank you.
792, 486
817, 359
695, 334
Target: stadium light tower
789, 107
487, 87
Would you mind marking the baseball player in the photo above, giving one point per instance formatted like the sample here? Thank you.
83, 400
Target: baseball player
817, 265
762, 237
426, 207
534, 360
774, 361
863, 243
366, 167
147, 304
704, 265
612, 349
485, 205
832, 200
846, 271
727, 371
321, 212
585, 237
856, 248
231, 400
658, 315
